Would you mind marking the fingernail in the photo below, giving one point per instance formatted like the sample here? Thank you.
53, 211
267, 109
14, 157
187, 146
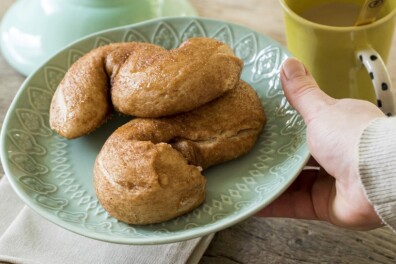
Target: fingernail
293, 68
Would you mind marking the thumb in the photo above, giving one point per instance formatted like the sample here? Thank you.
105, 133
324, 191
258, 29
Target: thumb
301, 90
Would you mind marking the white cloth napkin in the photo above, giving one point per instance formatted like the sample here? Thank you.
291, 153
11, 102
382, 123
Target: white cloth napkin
26, 237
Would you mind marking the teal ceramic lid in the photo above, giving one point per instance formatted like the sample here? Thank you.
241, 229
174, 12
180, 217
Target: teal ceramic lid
33, 30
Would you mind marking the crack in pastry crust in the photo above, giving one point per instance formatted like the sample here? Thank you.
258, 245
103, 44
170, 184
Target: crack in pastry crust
192, 112
152, 164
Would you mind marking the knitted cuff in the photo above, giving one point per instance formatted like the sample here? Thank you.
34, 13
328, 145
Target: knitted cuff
377, 167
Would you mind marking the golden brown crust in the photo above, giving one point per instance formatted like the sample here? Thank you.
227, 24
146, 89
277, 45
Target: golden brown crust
194, 113
81, 102
176, 81
223, 129
139, 182
149, 170
147, 81
77, 107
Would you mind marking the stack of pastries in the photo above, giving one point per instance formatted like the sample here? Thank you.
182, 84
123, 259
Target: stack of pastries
190, 109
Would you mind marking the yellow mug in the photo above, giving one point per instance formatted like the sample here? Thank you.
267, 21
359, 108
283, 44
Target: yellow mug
347, 61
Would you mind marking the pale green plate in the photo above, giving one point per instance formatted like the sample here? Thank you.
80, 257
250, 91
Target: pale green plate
54, 175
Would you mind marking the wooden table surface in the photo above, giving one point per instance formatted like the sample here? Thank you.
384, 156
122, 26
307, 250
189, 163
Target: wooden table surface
259, 240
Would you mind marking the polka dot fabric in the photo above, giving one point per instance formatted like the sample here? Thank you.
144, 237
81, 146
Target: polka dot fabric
381, 80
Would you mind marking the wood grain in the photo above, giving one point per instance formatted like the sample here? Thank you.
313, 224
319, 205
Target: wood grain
259, 240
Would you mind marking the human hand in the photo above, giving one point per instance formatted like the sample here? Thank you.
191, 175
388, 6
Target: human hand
334, 127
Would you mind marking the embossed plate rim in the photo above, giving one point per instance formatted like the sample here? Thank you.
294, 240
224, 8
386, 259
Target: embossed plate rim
185, 234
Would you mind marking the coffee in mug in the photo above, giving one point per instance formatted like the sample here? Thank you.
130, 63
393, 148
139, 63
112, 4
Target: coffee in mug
347, 61
333, 14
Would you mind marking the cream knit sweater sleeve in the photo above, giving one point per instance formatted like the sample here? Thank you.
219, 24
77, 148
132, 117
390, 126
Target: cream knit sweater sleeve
377, 167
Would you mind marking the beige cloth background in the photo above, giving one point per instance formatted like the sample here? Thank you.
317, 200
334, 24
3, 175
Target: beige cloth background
26, 237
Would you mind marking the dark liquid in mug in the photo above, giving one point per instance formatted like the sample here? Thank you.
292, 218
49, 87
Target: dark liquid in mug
333, 14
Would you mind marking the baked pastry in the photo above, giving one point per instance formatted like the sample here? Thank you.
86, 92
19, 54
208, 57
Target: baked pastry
176, 81
192, 110
149, 170
146, 81
81, 102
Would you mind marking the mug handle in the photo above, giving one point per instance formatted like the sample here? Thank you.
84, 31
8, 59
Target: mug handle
379, 75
